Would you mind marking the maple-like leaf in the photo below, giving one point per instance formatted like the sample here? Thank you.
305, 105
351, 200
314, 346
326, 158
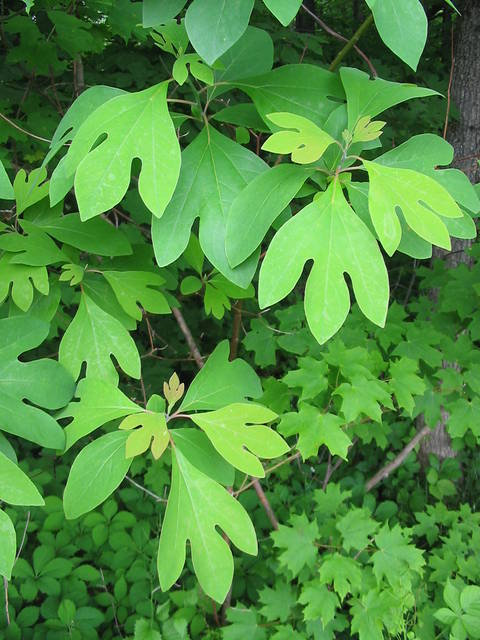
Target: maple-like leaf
278, 602
297, 542
142, 286
363, 396
320, 602
344, 572
405, 383
356, 528
239, 435
315, 428
311, 377
396, 559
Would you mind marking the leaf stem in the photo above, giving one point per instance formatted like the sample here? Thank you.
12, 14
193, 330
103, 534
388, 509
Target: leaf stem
351, 44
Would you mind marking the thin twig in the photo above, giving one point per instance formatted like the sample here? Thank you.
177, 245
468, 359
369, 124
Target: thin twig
27, 133
402, 456
147, 491
5, 588
245, 487
192, 345
114, 609
265, 503
237, 323
23, 537
449, 90
338, 36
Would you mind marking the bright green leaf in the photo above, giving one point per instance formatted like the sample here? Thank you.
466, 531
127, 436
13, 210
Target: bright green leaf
142, 286
15, 486
284, 10
8, 546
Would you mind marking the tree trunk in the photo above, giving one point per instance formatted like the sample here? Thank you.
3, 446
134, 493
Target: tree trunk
464, 135
305, 23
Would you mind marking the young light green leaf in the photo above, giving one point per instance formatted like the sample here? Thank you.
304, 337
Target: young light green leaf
137, 125
196, 506
366, 130
153, 431
41, 382
31, 189
197, 67
93, 337
15, 486
6, 189
221, 382
142, 286
367, 97
284, 10
321, 603
315, 428
95, 473
8, 546
237, 432
99, 402
72, 273
402, 26
305, 141
22, 278
173, 390
213, 26
257, 206
330, 233
421, 204
214, 170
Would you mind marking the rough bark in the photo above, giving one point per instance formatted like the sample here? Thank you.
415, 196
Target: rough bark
464, 135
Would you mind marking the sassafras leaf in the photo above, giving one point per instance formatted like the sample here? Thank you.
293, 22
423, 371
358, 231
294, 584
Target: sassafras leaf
330, 233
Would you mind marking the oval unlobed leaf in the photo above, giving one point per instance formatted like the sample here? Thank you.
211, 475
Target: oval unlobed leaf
15, 486
96, 472
8, 546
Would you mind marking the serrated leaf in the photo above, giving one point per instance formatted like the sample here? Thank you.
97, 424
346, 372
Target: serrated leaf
196, 506
30, 189
405, 383
329, 232
402, 26
356, 528
363, 396
422, 204
221, 382
22, 279
366, 97
95, 473
344, 572
297, 541
153, 431
396, 559
93, 337
311, 377
137, 125
15, 486
41, 382
99, 402
8, 546
284, 10
244, 624
214, 170
237, 433
278, 602
257, 206
320, 602
305, 140
314, 429
142, 286
210, 38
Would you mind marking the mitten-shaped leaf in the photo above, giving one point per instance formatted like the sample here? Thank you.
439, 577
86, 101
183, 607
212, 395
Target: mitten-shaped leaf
330, 233
153, 430
136, 125
99, 402
305, 141
196, 506
237, 432
92, 337
421, 199
42, 382
22, 278
142, 286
